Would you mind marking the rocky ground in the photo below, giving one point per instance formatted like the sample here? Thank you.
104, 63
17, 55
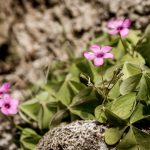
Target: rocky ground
33, 33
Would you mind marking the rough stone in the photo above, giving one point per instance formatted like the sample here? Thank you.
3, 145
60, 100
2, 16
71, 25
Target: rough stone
79, 135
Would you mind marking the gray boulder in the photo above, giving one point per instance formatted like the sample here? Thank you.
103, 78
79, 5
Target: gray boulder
79, 135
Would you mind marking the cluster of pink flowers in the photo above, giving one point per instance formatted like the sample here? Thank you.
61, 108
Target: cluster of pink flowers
8, 105
98, 53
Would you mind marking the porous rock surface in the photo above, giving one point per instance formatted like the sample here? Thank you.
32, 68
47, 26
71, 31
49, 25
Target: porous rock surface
79, 135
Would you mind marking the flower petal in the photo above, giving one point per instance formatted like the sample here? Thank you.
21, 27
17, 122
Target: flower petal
111, 24
4, 111
124, 32
106, 49
114, 31
5, 87
98, 61
109, 55
1, 102
126, 23
14, 103
95, 48
12, 111
119, 22
89, 55
4, 101
6, 97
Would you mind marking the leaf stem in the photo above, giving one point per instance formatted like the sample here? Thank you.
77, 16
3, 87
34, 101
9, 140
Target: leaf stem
112, 79
124, 45
107, 92
101, 74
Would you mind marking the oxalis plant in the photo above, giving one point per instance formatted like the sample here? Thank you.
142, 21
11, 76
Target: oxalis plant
110, 83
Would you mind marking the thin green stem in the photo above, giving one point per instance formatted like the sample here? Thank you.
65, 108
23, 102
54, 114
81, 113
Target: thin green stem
111, 81
104, 100
124, 46
104, 92
107, 92
19, 127
101, 74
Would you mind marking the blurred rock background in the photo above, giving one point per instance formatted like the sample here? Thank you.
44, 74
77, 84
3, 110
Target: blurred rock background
33, 33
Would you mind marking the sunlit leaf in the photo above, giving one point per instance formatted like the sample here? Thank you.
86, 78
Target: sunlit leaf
143, 47
130, 84
115, 91
69, 88
135, 139
100, 114
130, 69
58, 117
29, 139
113, 135
41, 109
124, 105
114, 119
144, 89
141, 112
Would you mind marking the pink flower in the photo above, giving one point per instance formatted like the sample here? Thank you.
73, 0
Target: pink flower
4, 88
119, 26
8, 105
98, 54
